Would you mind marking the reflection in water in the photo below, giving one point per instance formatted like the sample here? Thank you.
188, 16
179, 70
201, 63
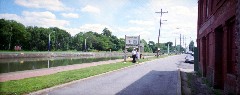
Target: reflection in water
32, 65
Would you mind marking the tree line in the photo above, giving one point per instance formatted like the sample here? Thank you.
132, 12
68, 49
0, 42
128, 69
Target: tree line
33, 38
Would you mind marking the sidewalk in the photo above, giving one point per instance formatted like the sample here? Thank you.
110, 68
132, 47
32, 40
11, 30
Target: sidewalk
47, 71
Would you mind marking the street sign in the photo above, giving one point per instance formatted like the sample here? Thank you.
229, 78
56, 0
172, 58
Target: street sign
132, 41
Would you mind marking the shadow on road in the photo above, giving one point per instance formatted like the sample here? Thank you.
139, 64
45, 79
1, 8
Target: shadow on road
153, 83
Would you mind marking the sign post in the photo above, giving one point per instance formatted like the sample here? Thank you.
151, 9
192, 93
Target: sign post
139, 47
125, 51
131, 41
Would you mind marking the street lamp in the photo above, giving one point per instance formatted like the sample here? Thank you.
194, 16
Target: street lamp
9, 45
49, 40
85, 45
180, 42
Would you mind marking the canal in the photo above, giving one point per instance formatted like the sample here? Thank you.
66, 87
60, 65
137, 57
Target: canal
14, 65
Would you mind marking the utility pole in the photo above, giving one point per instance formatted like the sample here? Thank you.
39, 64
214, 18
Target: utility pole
183, 41
180, 44
175, 46
160, 22
168, 48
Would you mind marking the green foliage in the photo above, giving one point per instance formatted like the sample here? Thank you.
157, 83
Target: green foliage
78, 41
146, 46
36, 38
106, 32
191, 46
12, 33
152, 46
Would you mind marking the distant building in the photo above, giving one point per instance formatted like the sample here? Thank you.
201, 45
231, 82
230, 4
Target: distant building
218, 43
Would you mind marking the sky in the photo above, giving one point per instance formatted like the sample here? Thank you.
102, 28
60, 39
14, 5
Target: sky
121, 17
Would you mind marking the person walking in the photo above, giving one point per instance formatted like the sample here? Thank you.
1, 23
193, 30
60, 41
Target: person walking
134, 55
137, 56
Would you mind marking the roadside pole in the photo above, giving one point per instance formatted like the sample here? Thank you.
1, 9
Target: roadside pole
168, 49
139, 50
125, 54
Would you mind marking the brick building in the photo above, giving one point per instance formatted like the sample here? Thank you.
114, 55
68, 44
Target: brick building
238, 46
217, 42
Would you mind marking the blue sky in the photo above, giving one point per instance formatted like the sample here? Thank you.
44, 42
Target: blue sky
122, 17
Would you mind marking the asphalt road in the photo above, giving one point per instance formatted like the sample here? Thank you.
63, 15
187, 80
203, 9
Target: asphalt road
158, 77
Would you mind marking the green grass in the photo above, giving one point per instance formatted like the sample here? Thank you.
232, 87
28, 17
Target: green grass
28, 85
37, 83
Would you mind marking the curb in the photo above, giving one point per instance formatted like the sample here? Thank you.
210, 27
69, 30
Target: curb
72, 82
179, 88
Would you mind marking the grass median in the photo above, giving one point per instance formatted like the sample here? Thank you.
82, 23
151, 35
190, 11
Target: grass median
28, 85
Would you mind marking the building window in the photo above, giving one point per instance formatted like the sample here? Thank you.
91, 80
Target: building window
202, 11
207, 8
231, 46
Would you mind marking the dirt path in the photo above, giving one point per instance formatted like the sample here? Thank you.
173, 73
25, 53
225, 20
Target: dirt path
48, 71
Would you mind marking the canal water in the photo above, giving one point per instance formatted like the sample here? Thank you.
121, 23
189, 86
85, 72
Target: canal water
13, 65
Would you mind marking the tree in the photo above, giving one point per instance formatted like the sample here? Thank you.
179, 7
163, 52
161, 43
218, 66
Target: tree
146, 46
170, 44
163, 47
121, 44
78, 42
191, 46
37, 39
62, 39
106, 32
152, 46
12, 33
178, 48
5, 34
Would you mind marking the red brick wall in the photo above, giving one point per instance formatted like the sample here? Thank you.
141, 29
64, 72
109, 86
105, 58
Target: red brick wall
238, 46
220, 14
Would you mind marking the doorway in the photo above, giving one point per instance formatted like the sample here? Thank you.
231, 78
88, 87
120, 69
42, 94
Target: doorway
204, 56
218, 73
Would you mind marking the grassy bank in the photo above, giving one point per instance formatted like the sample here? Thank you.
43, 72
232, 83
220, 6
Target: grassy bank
28, 85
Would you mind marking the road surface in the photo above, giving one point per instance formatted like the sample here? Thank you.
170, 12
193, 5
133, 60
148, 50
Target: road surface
158, 77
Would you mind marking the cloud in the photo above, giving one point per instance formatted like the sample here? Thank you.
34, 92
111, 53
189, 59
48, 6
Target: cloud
123, 17
131, 30
10, 16
72, 31
90, 9
53, 5
88, 27
93, 27
181, 14
141, 22
41, 19
70, 15
46, 14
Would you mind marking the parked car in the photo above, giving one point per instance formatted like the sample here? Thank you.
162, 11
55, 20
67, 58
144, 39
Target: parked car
189, 59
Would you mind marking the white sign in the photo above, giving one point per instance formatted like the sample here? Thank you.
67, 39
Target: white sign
132, 41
